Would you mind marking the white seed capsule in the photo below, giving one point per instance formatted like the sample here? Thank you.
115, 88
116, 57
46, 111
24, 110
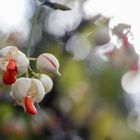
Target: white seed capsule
21, 60
102, 36
37, 91
22, 63
47, 82
27, 87
130, 82
8, 51
47, 63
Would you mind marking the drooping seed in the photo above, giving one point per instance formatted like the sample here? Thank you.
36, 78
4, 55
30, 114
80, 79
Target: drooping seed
9, 77
30, 108
12, 65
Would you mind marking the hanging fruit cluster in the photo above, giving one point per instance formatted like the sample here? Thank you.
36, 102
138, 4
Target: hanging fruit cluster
26, 91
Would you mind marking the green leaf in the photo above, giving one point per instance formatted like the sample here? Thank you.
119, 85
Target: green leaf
56, 6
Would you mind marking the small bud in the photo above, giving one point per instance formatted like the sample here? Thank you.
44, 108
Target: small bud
47, 63
47, 82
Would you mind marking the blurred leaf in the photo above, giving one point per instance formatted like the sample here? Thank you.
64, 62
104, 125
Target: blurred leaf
109, 82
56, 6
73, 74
107, 122
6, 111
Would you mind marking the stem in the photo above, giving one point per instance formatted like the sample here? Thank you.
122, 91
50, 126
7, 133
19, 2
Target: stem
35, 74
27, 74
32, 59
89, 33
31, 32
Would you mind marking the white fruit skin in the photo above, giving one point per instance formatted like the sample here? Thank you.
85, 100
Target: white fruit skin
23, 87
20, 88
9, 49
40, 91
130, 82
47, 82
22, 61
102, 36
45, 66
3, 64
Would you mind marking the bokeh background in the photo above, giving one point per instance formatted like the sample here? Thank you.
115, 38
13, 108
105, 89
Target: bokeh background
96, 43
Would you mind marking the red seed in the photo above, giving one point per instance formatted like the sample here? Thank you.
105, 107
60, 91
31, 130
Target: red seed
12, 65
9, 77
30, 108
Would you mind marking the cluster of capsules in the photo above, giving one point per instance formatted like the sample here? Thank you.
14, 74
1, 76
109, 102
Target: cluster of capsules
26, 91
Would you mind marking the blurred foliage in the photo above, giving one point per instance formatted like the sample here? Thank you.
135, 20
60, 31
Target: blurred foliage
86, 103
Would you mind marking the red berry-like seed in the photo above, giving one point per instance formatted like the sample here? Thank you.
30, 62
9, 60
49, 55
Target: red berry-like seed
9, 77
12, 65
30, 108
